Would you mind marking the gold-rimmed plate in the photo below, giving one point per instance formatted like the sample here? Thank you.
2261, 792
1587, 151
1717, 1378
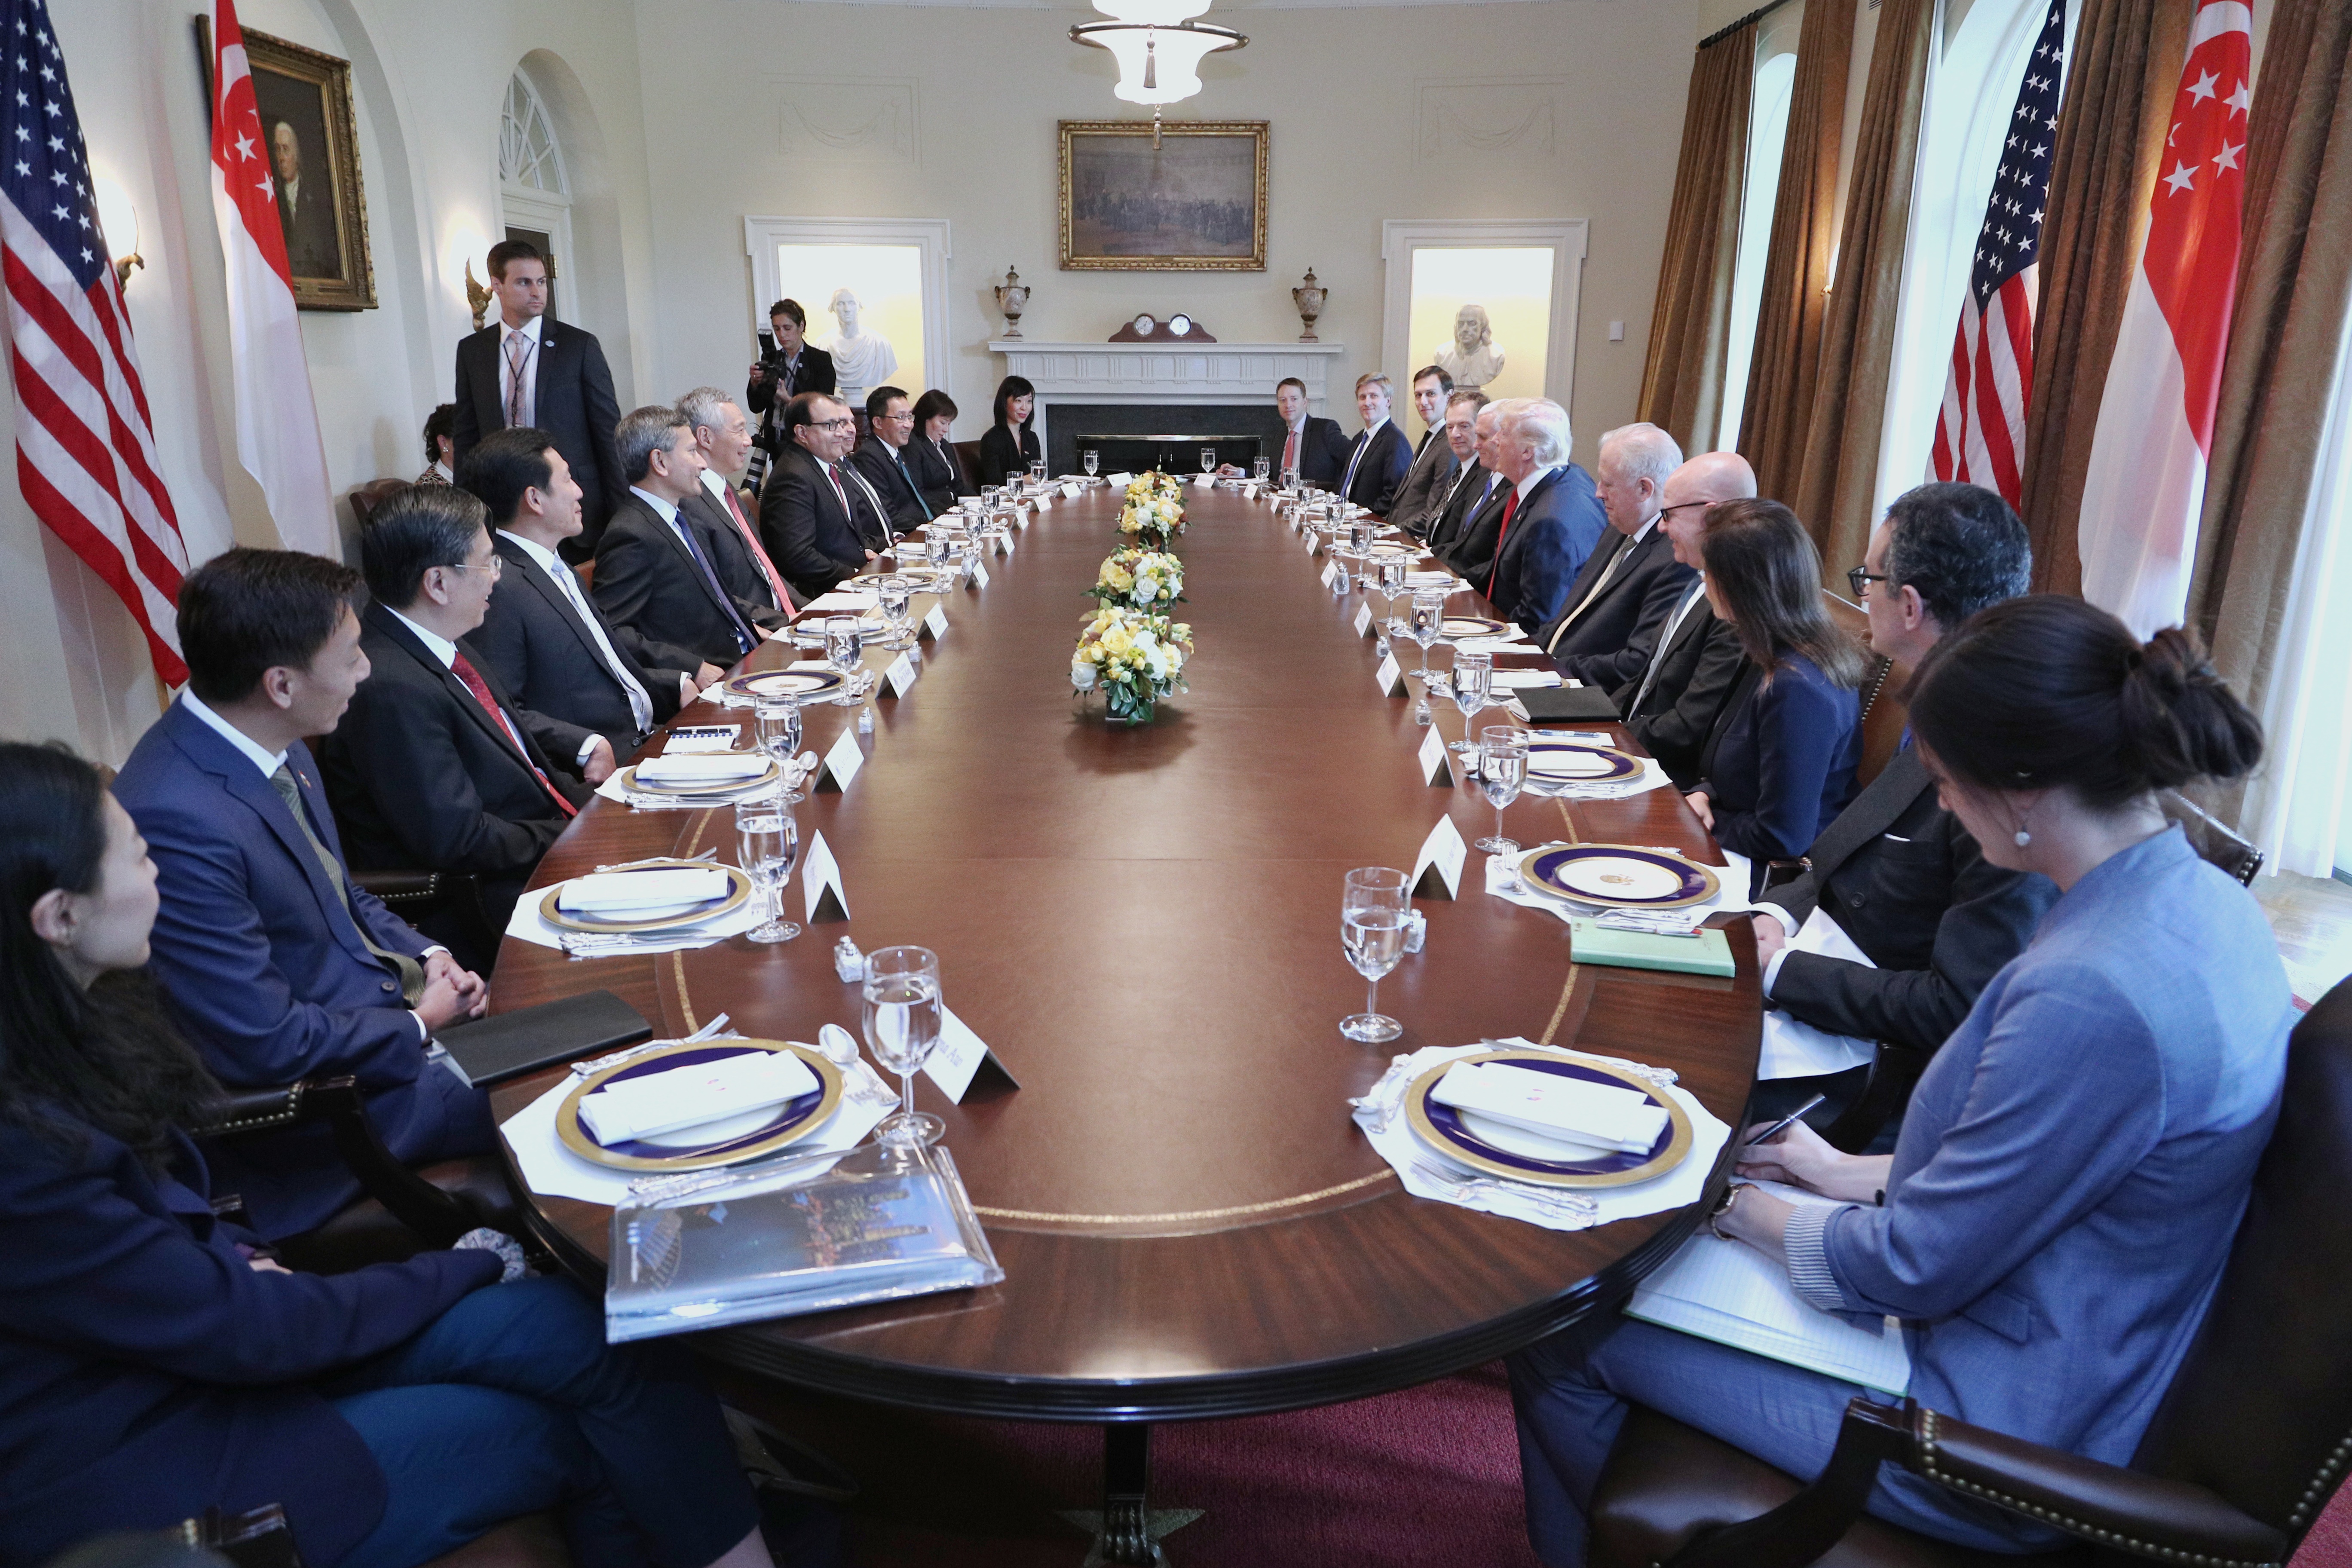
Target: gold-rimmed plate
1444, 1129
661, 917
1475, 627
1618, 875
786, 682
746, 1136
714, 789
1578, 762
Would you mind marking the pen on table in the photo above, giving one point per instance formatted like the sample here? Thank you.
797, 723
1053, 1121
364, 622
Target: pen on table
1784, 1123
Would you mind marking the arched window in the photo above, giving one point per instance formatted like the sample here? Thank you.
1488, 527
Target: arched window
534, 193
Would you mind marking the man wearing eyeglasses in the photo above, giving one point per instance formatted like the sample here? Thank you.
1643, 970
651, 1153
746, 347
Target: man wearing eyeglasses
821, 523
881, 459
1671, 704
434, 767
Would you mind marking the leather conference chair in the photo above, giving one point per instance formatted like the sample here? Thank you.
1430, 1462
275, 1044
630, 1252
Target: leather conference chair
968, 454
373, 494
2247, 1448
2215, 843
262, 1539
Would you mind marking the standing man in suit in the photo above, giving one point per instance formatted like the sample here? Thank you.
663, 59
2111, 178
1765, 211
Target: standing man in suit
1550, 519
784, 373
882, 459
1430, 479
435, 766
1672, 706
818, 520
1897, 873
1312, 445
1467, 486
1631, 583
278, 965
657, 566
542, 639
723, 437
526, 371
1381, 456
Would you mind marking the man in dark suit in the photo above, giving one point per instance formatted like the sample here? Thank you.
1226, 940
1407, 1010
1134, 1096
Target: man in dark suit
1896, 872
785, 372
818, 520
657, 571
280, 967
543, 641
1380, 457
436, 767
724, 438
526, 370
1619, 602
1470, 433
1314, 446
1550, 520
1671, 707
882, 459
1429, 481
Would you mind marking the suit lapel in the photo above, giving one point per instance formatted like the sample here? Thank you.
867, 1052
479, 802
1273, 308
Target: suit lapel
405, 640
678, 547
1875, 810
530, 572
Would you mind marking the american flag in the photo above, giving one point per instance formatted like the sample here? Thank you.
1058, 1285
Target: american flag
85, 443
1980, 434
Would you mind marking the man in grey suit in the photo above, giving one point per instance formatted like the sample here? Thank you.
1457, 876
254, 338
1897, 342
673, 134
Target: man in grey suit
1896, 872
1672, 705
1631, 583
656, 567
1428, 481
723, 435
1466, 486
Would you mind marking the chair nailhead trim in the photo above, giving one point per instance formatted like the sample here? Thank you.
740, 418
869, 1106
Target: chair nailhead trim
2321, 1487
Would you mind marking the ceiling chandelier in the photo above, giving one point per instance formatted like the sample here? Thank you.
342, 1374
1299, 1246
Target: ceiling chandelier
1159, 48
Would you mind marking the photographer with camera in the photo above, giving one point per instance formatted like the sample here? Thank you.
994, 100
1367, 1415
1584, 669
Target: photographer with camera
787, 368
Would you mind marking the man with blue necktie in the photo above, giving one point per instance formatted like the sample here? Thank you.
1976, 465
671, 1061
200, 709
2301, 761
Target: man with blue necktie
1382, 457
882, 459
657, 568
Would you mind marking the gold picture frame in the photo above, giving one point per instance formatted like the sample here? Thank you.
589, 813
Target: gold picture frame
1115, 178
305, 99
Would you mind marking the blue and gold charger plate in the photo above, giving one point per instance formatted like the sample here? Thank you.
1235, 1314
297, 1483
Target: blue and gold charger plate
743, 1137
786, 683
1618, 875
1444, 1130
1557, 759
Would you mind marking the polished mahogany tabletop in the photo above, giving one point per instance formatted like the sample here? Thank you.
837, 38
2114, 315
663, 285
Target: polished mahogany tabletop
1143, 923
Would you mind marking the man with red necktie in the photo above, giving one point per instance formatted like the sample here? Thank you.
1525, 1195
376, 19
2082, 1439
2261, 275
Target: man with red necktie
723, 435
1313, 446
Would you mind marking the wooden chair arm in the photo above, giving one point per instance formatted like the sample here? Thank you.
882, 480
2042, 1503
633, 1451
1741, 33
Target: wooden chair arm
438, 1216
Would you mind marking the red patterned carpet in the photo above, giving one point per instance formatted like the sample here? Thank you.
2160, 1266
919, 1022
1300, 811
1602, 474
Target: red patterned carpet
1425, 1478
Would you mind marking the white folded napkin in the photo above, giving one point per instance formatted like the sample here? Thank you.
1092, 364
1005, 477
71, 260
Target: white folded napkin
690, 1096
1122, 480
1525, 679
1570, 1111
701, 767
618, 890
1446, 580
842, 602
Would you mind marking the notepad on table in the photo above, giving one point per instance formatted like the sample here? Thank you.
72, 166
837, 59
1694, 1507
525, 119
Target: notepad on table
702, 767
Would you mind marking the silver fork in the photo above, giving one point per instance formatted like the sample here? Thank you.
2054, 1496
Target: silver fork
660, 860
712, 1030
1458, 1187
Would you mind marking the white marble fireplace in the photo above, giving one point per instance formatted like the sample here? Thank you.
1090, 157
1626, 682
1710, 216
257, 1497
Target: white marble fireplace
1164, 375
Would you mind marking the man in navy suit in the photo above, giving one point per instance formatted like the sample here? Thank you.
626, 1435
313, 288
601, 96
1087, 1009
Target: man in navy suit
882, 459
821, 525
1550, 520
280, 967
526, 370
660, 567
1380, 457
1312, 445
1619, 602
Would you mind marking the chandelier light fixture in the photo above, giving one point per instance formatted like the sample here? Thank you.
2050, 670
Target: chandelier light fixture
1159, 48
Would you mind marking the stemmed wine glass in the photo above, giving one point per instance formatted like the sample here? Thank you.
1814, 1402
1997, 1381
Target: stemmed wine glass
1428, 624
1375, 914
895, 594
845, 639
902, 1019
1360, 533
1392, 569
776, 729
1208, 459
1502, 769
1472, 687
1093, 460
767, 842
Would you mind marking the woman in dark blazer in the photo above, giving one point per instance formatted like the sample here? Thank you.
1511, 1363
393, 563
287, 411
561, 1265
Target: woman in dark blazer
931, 457
1781, 763
1009, 445
155, 1361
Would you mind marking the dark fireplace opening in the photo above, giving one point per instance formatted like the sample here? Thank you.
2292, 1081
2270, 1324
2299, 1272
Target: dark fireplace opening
1131, 438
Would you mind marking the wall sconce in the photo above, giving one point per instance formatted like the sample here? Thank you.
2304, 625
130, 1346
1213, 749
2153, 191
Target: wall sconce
119, 221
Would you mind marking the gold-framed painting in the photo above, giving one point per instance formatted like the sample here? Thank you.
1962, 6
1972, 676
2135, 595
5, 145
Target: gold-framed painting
1187, 197
312, 143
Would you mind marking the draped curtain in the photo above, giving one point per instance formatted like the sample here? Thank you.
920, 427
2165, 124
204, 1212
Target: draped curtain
1837, 481
1690, 328
1773, 420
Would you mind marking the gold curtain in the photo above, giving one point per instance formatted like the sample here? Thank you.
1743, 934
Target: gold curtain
2119, 92
2295, 285
1690, 326
1837, 483
1797, 258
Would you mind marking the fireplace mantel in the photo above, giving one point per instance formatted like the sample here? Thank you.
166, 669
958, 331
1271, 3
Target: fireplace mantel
1165, 372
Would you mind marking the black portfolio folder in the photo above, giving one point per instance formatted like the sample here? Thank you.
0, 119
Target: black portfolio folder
491, 1050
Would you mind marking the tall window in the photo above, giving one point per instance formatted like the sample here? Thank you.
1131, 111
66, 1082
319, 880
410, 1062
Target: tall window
534, 197
1768, 134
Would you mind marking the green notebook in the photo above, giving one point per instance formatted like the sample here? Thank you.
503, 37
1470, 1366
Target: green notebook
1705, 953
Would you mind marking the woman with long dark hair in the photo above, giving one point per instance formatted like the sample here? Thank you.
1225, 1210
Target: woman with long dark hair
2075, 1159
1781, 762
1009, 445
931, 457
155, 1361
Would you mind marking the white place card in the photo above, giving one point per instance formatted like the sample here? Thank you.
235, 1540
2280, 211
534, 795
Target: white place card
820, 891
1364, 619
1004, 544
1436, 761
1330, 569
935, 624
1313, 542
1392, 678
900, 676
1249, 490
840, 764
1120, 482
960, 1057
978, 575
1437, 870
1070, 490
1205, 482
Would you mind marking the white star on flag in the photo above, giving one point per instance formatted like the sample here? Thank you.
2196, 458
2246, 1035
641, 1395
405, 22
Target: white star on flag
2228, 157
2204, 87
2181, 179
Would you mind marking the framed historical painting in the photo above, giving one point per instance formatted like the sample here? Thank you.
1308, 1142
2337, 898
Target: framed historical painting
1178, 197
312, 144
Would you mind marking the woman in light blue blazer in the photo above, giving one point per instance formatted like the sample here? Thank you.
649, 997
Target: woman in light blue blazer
2074, 1162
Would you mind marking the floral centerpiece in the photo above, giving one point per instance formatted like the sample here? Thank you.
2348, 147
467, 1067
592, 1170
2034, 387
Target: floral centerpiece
1139, 579
1136, 658
1154, 512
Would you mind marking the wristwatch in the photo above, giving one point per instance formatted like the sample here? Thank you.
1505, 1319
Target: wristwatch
1723, 1206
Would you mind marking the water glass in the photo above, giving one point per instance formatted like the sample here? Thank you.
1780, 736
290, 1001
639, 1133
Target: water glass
1208, 459
896, 596
1092, 460
1290, 480
1473, 687
901, 1020
1428, 624
776, 730
767, 842
1502, 769
845, 638
1260, 467
1037, 472
1375, 918
1390, 569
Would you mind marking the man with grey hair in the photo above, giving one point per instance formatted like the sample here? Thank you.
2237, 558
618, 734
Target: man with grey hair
655, 565
1549, 521
723, 435
1629, 587
1462, 538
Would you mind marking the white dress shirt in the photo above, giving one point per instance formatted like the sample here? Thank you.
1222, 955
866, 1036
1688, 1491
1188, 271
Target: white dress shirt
641, 703
530, 369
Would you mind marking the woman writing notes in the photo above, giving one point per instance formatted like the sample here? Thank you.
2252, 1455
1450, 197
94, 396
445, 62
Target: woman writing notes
1009, 445
2075, 1159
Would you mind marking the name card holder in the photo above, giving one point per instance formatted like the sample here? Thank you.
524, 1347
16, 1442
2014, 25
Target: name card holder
1364, 619
1392, 678
1120, 482
822, 898
1314, 542
935, 622
961, 1058
978, 575
1437, 870
1004, 544
900, 676
1330, 571
839, 765
1070, 489
1436, 761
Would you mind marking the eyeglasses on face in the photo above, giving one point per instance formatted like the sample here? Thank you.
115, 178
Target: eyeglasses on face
843, 424
494, 566
1860, 578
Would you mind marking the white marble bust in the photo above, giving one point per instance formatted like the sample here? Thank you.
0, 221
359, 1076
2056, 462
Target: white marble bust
1471, 357
861, 361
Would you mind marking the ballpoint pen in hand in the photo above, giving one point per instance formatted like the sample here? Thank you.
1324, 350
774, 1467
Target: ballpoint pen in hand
1784, 1123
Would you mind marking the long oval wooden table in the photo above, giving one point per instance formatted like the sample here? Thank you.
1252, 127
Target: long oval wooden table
1144, 924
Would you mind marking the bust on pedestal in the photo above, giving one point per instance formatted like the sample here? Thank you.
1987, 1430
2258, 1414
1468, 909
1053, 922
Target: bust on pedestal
1471, 358
861, 361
